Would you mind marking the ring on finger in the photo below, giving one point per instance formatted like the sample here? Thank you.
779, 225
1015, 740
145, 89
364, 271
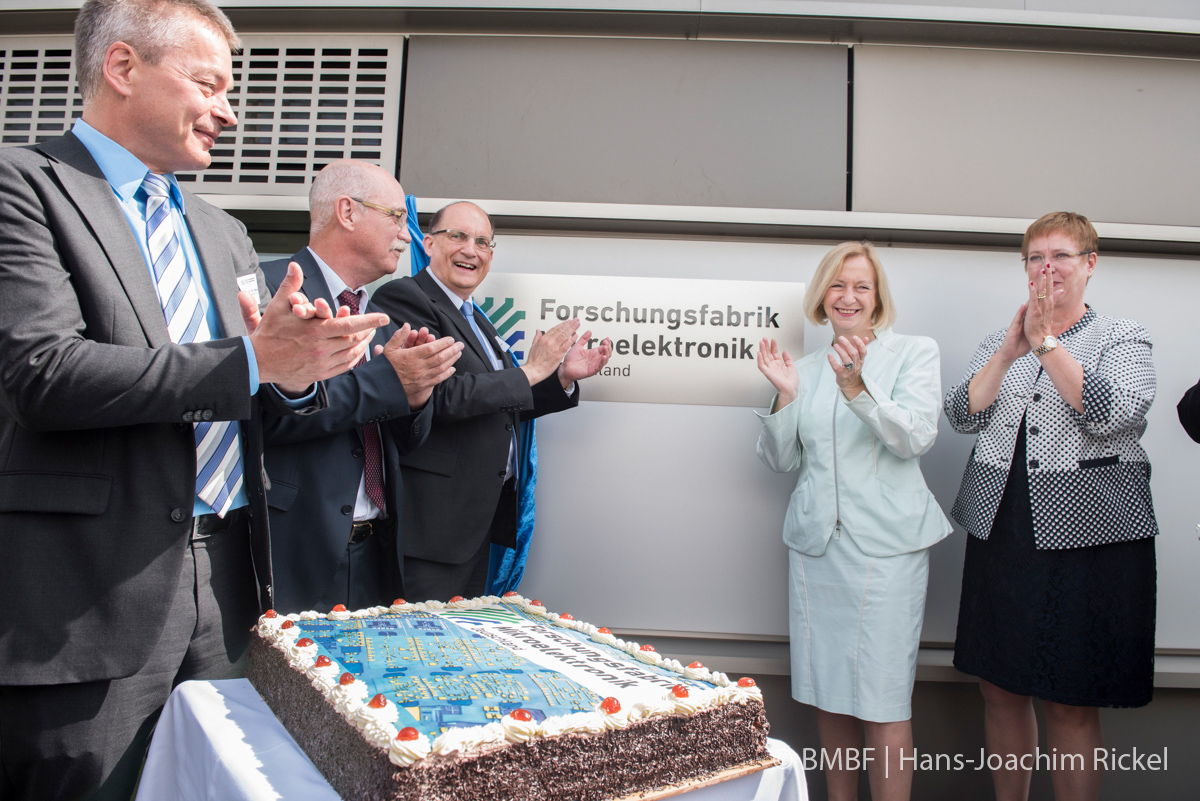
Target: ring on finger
1041, 297
849, 365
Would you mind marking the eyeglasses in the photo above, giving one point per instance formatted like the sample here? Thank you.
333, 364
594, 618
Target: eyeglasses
462, 237
1037, 259
398, 217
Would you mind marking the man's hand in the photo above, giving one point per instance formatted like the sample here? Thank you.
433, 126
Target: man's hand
297, 345
547, 350
582, 361
420, 361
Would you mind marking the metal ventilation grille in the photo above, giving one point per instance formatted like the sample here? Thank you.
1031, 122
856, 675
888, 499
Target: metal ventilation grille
301, 100
38, 96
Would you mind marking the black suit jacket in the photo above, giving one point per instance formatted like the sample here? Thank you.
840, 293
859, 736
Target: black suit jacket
315, 462
97, 458
452, 484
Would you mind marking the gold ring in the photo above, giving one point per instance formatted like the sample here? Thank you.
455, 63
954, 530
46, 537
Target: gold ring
1041, 297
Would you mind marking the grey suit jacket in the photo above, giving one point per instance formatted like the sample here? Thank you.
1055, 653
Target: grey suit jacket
452, 483
97, 455
316, 462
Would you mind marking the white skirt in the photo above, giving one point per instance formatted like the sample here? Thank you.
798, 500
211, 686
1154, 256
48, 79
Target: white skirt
855, 624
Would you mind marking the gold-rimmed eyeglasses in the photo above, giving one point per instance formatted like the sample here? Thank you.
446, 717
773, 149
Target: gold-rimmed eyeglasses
400, 217
462, 237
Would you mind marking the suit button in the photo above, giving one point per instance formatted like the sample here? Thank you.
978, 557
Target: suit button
187, 416
1037, 396
347, 509
1033, 464
178, 515
208, 414
357, 453
503, 473
1033, 430
508, 426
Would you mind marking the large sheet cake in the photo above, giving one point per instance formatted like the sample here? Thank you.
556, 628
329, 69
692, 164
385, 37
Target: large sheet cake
496, 698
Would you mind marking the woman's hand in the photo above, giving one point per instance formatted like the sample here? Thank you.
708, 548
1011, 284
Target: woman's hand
1016, 343
780, 370
847, 364
1040, 308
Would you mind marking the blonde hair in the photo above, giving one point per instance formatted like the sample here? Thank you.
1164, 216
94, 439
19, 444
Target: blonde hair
827, 272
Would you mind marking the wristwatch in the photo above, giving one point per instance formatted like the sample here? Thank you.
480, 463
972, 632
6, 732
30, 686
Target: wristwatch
1048, 344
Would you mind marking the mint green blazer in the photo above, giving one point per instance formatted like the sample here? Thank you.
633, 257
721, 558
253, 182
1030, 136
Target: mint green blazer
859, 460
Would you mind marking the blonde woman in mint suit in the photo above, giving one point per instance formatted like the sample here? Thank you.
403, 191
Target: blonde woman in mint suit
854, 418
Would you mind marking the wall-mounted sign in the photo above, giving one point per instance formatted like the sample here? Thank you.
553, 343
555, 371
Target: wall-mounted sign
674, 340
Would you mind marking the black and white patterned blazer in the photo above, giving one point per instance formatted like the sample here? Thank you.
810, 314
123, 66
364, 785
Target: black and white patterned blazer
1089, 480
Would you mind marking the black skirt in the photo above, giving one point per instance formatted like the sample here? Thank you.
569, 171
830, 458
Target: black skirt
1074, 626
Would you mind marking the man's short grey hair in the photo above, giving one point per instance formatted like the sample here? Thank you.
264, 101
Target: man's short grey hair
151, 27
357, 179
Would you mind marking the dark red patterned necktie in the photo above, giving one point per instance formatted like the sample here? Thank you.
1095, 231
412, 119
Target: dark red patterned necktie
372, 444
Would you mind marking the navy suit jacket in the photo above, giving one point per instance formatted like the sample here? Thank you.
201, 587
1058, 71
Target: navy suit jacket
315, 462
453, 482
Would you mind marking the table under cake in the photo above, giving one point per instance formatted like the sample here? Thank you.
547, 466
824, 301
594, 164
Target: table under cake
220, 740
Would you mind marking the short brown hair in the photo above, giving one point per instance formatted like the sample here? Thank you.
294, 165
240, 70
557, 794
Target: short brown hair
1076, 226
827, 272
151, 27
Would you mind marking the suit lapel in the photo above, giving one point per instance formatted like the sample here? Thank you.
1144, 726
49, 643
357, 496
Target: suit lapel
315, 286
89, 190
454, 316
217, 261
493, 337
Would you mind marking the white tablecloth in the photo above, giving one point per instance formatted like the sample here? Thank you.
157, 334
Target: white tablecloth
218, 741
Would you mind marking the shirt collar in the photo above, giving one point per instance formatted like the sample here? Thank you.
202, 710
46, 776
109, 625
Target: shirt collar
1083, 322
123, 170
454, 299
335, 283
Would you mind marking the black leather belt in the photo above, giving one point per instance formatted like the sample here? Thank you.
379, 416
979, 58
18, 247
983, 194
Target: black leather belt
363, 530
210, 524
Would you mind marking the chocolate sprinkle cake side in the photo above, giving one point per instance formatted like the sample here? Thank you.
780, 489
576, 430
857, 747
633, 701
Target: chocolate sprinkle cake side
652, 753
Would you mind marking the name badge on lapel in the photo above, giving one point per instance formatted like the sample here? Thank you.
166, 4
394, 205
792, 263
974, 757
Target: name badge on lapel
249, 285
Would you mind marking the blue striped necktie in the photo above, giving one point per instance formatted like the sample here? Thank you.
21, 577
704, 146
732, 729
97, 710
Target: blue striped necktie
218, 446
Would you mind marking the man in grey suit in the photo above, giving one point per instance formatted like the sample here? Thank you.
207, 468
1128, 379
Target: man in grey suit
336, 493
460, 493
133, 543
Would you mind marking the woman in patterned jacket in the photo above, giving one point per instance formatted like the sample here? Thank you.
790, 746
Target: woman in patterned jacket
1058, 595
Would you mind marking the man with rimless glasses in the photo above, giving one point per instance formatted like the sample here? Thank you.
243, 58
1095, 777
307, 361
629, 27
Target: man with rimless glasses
460, 486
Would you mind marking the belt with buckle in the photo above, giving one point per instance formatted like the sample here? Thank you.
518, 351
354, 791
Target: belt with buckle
207, 525
362, 531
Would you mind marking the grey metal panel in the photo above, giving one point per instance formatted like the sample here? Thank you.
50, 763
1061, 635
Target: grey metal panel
1008, 134
626, 121
1171, 9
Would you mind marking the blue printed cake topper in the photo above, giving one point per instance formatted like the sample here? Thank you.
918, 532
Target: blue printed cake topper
441, 674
